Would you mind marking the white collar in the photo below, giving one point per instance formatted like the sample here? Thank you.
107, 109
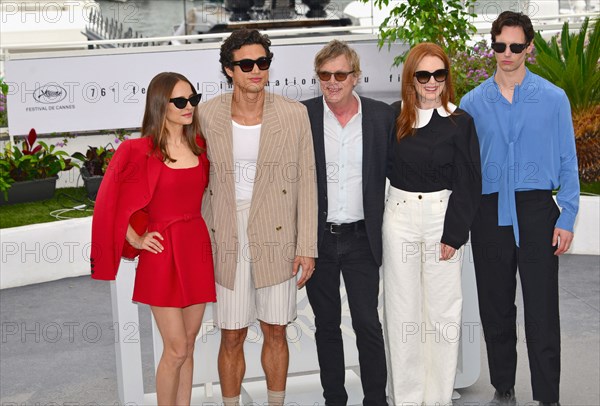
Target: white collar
327, 110
424, 116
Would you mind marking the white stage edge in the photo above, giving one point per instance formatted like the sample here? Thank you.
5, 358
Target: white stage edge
51, 251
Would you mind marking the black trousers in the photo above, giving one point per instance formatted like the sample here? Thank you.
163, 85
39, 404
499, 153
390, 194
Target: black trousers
496, 259
348, 253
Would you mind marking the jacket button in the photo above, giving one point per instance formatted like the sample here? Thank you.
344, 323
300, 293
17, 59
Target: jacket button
92, 271
278, 228
212, 229
284, 191
210, 192
420, 197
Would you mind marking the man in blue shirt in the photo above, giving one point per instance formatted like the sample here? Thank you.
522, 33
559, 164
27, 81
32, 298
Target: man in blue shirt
527, 145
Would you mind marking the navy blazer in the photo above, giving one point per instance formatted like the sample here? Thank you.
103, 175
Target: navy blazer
378, 127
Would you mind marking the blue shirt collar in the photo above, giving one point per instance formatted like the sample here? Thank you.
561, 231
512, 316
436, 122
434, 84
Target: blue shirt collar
528, 78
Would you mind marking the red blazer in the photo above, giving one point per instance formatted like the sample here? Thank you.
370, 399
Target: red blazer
126, 189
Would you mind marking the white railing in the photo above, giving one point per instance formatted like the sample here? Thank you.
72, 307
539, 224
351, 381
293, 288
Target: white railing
279, 33
183, 38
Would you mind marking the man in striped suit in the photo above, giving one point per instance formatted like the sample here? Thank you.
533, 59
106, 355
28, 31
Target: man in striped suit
261, 209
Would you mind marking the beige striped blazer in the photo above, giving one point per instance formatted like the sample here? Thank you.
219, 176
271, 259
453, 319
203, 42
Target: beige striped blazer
282, 221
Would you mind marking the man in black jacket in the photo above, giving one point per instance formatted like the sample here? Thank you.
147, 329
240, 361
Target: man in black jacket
351, 135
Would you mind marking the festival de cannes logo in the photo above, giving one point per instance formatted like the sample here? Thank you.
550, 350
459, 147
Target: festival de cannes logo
50, 94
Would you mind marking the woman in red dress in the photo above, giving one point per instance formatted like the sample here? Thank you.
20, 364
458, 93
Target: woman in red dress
149, 204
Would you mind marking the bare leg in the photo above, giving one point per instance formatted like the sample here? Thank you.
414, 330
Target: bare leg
172, 330
192, 319
232, 365
275, 356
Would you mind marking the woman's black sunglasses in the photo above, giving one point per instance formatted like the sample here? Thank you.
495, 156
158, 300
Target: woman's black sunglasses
439, 75
246, 65
181, 102
500, 47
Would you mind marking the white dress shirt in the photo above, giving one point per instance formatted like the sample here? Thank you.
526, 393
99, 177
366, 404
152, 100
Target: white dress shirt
343, 157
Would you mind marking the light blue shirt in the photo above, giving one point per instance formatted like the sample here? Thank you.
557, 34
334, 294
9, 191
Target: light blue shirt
528, 144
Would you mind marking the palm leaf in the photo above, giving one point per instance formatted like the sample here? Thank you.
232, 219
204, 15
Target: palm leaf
572, 64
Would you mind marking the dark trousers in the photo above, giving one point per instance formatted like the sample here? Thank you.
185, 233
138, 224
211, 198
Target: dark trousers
348, 253
496, 259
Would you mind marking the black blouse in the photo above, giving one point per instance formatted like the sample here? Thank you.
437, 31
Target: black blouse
442, 154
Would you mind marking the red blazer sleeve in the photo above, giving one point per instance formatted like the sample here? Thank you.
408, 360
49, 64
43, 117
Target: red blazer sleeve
203, 158
139, 222
116, 206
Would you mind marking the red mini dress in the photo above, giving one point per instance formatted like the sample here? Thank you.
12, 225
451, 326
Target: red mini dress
182, 274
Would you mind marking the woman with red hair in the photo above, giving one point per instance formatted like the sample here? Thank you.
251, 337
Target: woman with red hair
435, 187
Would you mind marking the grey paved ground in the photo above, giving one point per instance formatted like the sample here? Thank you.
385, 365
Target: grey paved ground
57, 343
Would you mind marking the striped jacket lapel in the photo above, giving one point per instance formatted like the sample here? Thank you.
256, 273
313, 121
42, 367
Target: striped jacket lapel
222, 148
269, 151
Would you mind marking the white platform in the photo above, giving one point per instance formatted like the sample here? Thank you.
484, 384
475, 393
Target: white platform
300, 334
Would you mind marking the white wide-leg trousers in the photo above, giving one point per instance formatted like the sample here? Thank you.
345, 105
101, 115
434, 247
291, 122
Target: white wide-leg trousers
422, 300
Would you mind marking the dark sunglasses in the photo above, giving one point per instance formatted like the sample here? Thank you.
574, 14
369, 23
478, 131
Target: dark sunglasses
246, 65
339, 76
500, 47
439, 75
181, 102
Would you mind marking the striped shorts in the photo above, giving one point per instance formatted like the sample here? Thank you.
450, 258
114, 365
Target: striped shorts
238, 308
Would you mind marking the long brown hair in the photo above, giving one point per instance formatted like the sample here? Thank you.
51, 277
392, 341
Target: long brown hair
155, 115
407, 119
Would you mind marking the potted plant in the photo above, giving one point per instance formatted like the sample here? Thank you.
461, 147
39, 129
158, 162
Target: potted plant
93, 166
29, 173
572, 62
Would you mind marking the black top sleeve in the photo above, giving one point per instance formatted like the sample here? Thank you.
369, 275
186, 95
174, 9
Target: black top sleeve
466, 185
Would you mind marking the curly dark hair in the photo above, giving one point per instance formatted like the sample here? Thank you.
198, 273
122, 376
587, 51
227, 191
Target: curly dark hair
238, 39
512, 19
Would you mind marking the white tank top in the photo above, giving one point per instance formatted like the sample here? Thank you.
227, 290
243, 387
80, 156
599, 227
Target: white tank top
246, 140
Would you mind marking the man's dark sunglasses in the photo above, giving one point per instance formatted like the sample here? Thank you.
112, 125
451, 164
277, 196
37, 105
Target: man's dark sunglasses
500, 47
181, 102
439, 75
339, 76
246, 65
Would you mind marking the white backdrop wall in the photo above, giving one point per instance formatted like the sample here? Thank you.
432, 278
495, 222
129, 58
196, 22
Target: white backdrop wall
94, 90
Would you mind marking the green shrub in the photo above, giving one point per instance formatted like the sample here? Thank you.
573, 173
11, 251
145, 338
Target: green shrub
572, 64
96, 159
586, 123
472, 67
445, 22
33, 160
